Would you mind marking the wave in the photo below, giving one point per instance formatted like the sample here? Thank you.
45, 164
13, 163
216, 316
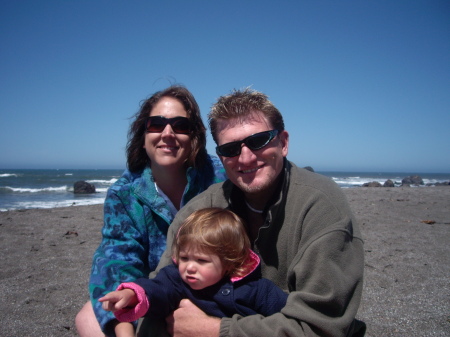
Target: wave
54, 204
5, 175
359, 181
105, 182
34, 190
101, 189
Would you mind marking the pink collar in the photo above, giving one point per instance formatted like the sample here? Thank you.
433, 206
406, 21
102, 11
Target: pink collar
251, 264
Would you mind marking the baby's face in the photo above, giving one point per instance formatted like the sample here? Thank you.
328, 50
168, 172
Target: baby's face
198, 269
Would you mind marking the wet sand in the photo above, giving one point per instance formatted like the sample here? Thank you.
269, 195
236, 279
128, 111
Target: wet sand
46, 257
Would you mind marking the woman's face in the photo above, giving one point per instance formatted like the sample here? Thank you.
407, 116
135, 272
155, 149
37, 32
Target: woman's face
167, 149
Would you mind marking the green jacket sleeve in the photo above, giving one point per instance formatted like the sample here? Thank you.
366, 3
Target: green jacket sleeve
328, 281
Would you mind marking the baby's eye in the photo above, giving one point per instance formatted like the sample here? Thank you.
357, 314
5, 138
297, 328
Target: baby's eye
183, 258
203, 261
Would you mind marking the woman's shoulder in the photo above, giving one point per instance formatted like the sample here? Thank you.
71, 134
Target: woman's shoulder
219, 170
130, 180
210, 173
215, 161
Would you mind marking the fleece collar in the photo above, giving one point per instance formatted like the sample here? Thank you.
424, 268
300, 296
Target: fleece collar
251, 264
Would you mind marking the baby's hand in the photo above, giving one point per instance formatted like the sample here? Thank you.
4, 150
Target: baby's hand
118, 300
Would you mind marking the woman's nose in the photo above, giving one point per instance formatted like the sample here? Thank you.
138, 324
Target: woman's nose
168, 131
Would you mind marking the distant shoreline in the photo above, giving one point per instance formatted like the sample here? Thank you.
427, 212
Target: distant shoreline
41, 189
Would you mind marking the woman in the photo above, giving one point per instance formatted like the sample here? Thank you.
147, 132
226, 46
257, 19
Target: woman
167, 166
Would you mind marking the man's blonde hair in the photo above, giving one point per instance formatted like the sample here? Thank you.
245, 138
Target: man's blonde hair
239, 105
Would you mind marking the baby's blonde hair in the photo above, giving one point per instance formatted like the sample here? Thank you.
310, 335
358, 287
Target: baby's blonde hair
215, 231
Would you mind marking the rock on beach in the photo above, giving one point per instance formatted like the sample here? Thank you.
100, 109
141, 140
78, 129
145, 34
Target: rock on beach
83, 187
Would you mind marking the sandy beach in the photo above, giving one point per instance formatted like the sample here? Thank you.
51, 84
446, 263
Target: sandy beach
46, 258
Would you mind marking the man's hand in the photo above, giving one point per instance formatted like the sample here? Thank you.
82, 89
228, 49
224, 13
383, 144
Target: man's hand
189, 321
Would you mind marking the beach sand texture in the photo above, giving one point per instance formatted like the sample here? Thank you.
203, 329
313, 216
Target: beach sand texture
46, 257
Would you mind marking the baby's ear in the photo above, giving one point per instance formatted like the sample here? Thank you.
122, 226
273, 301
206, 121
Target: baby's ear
174, 260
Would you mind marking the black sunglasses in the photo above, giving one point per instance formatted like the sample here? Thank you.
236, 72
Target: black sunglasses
253, 142
158, 123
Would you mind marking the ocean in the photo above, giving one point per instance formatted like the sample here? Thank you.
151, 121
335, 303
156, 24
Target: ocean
27, 189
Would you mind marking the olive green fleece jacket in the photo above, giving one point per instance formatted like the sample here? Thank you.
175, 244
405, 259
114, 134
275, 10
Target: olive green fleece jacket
310, 246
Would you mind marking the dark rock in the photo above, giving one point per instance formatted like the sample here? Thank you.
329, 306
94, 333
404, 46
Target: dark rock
444, 183
389, 183
82, 187
372, 184
412, 180
309, 168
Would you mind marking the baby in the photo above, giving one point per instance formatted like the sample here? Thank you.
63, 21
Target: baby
213, 266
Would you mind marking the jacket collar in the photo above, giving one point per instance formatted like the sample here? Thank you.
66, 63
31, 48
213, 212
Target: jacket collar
235, 196
144, 187
251, 264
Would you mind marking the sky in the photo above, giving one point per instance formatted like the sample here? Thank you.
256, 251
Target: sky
362, 85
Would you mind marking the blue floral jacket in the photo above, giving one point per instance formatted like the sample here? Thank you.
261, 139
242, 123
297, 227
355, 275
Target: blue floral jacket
136, 220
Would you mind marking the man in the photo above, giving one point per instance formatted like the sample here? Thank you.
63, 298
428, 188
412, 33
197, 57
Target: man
299, 223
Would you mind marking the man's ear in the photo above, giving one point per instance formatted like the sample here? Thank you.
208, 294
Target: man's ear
284, 139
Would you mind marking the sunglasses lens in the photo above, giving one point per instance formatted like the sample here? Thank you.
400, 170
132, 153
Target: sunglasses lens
156, 124
181, 125
229, 150
253, 142
258, 141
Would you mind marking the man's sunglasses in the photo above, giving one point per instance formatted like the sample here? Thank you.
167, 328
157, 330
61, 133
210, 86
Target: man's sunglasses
253, 142
158, 123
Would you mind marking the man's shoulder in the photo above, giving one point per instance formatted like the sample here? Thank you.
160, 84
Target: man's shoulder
214, 191
314, 185
214, 196
305, 177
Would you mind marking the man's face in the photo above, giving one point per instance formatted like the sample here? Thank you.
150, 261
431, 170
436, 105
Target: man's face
253, 171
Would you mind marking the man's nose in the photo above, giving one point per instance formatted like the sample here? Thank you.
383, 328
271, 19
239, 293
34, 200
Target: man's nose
246, 155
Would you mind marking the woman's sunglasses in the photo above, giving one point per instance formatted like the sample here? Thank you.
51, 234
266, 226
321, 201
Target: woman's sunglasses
158, 124
253, 142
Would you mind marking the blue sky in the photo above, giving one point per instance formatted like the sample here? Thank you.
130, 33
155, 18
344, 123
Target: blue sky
362, 85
